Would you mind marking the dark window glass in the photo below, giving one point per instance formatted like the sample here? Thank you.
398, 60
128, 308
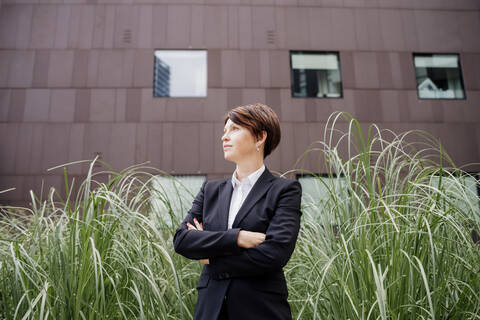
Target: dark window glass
180, 73
315, 74
439, 76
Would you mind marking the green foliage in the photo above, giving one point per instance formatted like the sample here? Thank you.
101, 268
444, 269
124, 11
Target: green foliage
394, 243
400, 245
106, 256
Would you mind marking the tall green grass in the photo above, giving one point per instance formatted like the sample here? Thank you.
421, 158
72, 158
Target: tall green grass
391, 242
394, 240
103, 255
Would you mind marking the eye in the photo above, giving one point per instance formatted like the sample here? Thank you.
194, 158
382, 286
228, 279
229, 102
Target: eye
231, 129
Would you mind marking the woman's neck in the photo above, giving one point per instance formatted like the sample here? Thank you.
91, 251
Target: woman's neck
245, 169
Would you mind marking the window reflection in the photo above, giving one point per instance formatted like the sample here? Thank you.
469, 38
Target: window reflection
462, 191
180, 73
172, 195
439, 76
320, 196
315, 74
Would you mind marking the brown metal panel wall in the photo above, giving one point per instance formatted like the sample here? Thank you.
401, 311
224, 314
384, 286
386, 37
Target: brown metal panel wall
76, 79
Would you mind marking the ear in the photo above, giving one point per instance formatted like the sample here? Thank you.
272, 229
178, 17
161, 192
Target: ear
263, 138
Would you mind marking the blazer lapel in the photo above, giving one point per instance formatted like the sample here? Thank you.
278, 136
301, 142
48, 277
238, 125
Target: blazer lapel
226, 191
258, 190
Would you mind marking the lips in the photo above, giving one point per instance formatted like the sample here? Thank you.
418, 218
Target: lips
227, 146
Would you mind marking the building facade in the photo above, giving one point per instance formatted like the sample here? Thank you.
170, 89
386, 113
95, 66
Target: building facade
77, 79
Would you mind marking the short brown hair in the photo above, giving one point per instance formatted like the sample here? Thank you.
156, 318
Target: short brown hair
256, 118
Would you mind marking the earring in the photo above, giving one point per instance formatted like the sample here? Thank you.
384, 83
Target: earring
258, 149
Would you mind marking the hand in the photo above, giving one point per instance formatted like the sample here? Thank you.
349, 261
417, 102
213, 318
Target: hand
198, 226
249, 239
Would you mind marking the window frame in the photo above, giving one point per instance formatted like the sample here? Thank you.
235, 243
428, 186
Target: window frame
336, 228
425, 54
154, 202
312, 52
181, 97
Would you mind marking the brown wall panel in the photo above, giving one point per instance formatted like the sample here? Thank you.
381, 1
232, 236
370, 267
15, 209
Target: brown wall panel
76, 79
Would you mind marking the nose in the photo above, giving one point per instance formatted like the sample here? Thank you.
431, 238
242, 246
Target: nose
224, 136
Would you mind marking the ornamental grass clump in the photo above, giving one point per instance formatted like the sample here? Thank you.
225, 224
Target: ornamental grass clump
103, 254
391, 238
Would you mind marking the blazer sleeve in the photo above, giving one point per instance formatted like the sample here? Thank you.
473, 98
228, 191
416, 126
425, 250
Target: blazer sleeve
196, 244
275, 251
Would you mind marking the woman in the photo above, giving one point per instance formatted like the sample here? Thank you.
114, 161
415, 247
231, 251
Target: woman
243, 229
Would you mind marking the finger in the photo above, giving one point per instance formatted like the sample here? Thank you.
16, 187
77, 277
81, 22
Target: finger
190, 226
197, 224
201, 226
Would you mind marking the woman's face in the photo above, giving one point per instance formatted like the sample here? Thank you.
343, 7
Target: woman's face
238, 142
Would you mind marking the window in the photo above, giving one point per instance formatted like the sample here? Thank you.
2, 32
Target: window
173, 196
180, 73
439, 76
323, 196
315, 74
462, 192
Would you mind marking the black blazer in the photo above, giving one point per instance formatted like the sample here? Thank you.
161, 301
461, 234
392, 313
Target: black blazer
250, 280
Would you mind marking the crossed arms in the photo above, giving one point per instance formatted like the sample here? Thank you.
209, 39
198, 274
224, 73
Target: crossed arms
237, 252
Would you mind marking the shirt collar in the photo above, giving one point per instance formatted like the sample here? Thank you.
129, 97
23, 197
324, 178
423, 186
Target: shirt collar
250, 179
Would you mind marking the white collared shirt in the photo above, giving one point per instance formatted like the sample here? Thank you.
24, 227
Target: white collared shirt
240, 192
